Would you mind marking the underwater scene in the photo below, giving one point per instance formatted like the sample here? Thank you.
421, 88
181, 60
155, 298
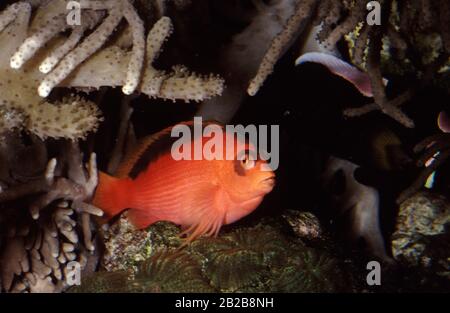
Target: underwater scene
224, 146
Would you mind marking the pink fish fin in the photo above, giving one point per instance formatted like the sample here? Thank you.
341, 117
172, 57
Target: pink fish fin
340, 68
208, 214
444, 122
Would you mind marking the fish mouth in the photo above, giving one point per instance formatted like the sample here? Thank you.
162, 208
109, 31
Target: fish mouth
268, 183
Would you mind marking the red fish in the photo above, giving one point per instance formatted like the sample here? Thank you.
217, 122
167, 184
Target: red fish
200, 195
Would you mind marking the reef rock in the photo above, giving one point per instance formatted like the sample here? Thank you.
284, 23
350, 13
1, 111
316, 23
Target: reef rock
259, 258
421, 238
125, 246
304, 224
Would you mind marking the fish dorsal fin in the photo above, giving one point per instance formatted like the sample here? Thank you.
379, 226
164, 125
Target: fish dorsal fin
133, 156
149, 149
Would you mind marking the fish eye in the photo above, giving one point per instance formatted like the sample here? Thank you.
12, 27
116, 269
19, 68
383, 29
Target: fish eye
248, 164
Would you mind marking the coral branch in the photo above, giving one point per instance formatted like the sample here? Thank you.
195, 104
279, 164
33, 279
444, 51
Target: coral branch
89, 21
136, 62
396, 102
304, 11
88, 47
70, 119
357, 13
11, 13
110, 66
20, 105
33, 43
376, 78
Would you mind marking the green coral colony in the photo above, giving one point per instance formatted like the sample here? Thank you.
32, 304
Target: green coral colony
255, 259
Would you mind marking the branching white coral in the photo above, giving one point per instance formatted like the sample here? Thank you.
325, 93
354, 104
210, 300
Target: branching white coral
88, 47
90, 20
55, 22
11, 13
64, 60
32, 44
71, 117
20, 105
138, 53
42, 58
110, 66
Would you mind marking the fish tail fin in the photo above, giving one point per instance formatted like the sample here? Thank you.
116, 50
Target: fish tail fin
111, 195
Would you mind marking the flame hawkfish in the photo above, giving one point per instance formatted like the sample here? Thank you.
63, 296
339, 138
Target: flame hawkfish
200, 195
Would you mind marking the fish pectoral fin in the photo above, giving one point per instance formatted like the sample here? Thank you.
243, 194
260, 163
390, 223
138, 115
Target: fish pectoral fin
208, 227
208, 211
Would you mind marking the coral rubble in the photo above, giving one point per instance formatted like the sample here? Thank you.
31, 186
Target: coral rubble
420, 239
